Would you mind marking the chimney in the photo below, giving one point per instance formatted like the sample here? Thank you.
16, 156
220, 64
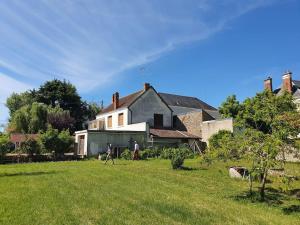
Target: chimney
146, 86
287, 81
268, 84
115, 100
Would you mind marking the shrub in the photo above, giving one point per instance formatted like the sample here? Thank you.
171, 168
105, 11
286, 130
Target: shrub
30, 146
144, 154
103, 156
126, 154
177, 158
65, 141
5, 146
166, 153
54, 141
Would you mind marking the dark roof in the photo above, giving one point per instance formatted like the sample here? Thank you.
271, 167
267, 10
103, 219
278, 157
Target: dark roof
295, 89
162, 133
185, 101
123, 102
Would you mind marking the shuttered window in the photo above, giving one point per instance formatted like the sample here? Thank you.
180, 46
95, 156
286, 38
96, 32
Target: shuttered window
121, 119
109, 122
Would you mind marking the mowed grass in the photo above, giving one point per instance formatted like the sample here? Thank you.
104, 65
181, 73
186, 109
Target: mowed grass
143, 192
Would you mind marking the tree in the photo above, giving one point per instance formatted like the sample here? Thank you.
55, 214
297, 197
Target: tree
60, 119
38, 117
5, 145
54, 141
29, 119
230, 108
268, 125
63, 94
20, 120
92, 110
16, 101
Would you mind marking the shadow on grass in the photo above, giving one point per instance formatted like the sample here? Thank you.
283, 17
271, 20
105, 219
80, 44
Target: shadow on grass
191, 168
291, 209
27, 174
273, 197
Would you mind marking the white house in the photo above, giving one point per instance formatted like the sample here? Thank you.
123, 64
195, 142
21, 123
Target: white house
148, 117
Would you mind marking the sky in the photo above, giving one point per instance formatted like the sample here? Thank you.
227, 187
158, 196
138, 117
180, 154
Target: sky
209, 49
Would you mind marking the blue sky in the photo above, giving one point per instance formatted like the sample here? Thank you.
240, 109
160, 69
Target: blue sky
204, 48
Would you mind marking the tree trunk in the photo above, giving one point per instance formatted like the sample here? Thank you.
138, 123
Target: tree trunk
263, 185
250, 184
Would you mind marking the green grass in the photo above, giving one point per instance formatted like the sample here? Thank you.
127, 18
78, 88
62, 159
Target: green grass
144, 192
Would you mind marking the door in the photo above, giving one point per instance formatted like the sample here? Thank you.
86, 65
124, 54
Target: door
81, 145
158, 121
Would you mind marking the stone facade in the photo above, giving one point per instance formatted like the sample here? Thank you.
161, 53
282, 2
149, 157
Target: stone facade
191, 122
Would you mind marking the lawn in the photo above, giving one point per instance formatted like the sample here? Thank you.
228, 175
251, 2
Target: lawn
144, 192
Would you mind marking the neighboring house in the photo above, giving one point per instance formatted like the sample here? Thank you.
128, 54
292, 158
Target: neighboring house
17, 138
288, 84
149, 117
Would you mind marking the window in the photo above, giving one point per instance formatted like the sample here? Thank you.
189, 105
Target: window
174, 121
121, 119
109, 122
158, 120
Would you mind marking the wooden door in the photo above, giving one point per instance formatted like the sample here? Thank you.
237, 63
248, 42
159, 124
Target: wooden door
81, 145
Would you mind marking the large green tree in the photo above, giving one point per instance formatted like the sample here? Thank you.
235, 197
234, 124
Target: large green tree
73, 113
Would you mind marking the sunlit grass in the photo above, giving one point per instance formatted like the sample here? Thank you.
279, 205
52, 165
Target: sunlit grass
143, 192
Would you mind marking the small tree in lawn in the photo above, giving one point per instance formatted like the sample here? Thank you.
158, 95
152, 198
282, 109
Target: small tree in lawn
267, 126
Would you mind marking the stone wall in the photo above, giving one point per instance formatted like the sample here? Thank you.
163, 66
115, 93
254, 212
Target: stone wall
190, 122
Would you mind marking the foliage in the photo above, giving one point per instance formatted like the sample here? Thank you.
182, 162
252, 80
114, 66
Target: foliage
65, 142
16, 101
54, 141
267, 125
126, 154
230, 108
30, 146
144, 154
28, 115
29, 118
5, 145
224, 146
177, 158
264, 110
103, 156
166, 153
60, 119
92, 110
63, 94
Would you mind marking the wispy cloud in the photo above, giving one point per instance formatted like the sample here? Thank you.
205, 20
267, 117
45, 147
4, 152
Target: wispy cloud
9, 85
89, 42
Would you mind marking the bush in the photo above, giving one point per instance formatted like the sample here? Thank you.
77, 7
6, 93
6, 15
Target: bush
177, 158
144, 154
166, 153
103, 156
30, 146
54, 141
126, 154
5, 146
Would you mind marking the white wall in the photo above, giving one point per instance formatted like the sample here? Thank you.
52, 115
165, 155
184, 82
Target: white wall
212, 127
146, 106
133, 127
114, 115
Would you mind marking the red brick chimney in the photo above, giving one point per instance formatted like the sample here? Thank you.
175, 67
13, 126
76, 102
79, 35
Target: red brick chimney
115, 100
146, 86
287, 81
268, 84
